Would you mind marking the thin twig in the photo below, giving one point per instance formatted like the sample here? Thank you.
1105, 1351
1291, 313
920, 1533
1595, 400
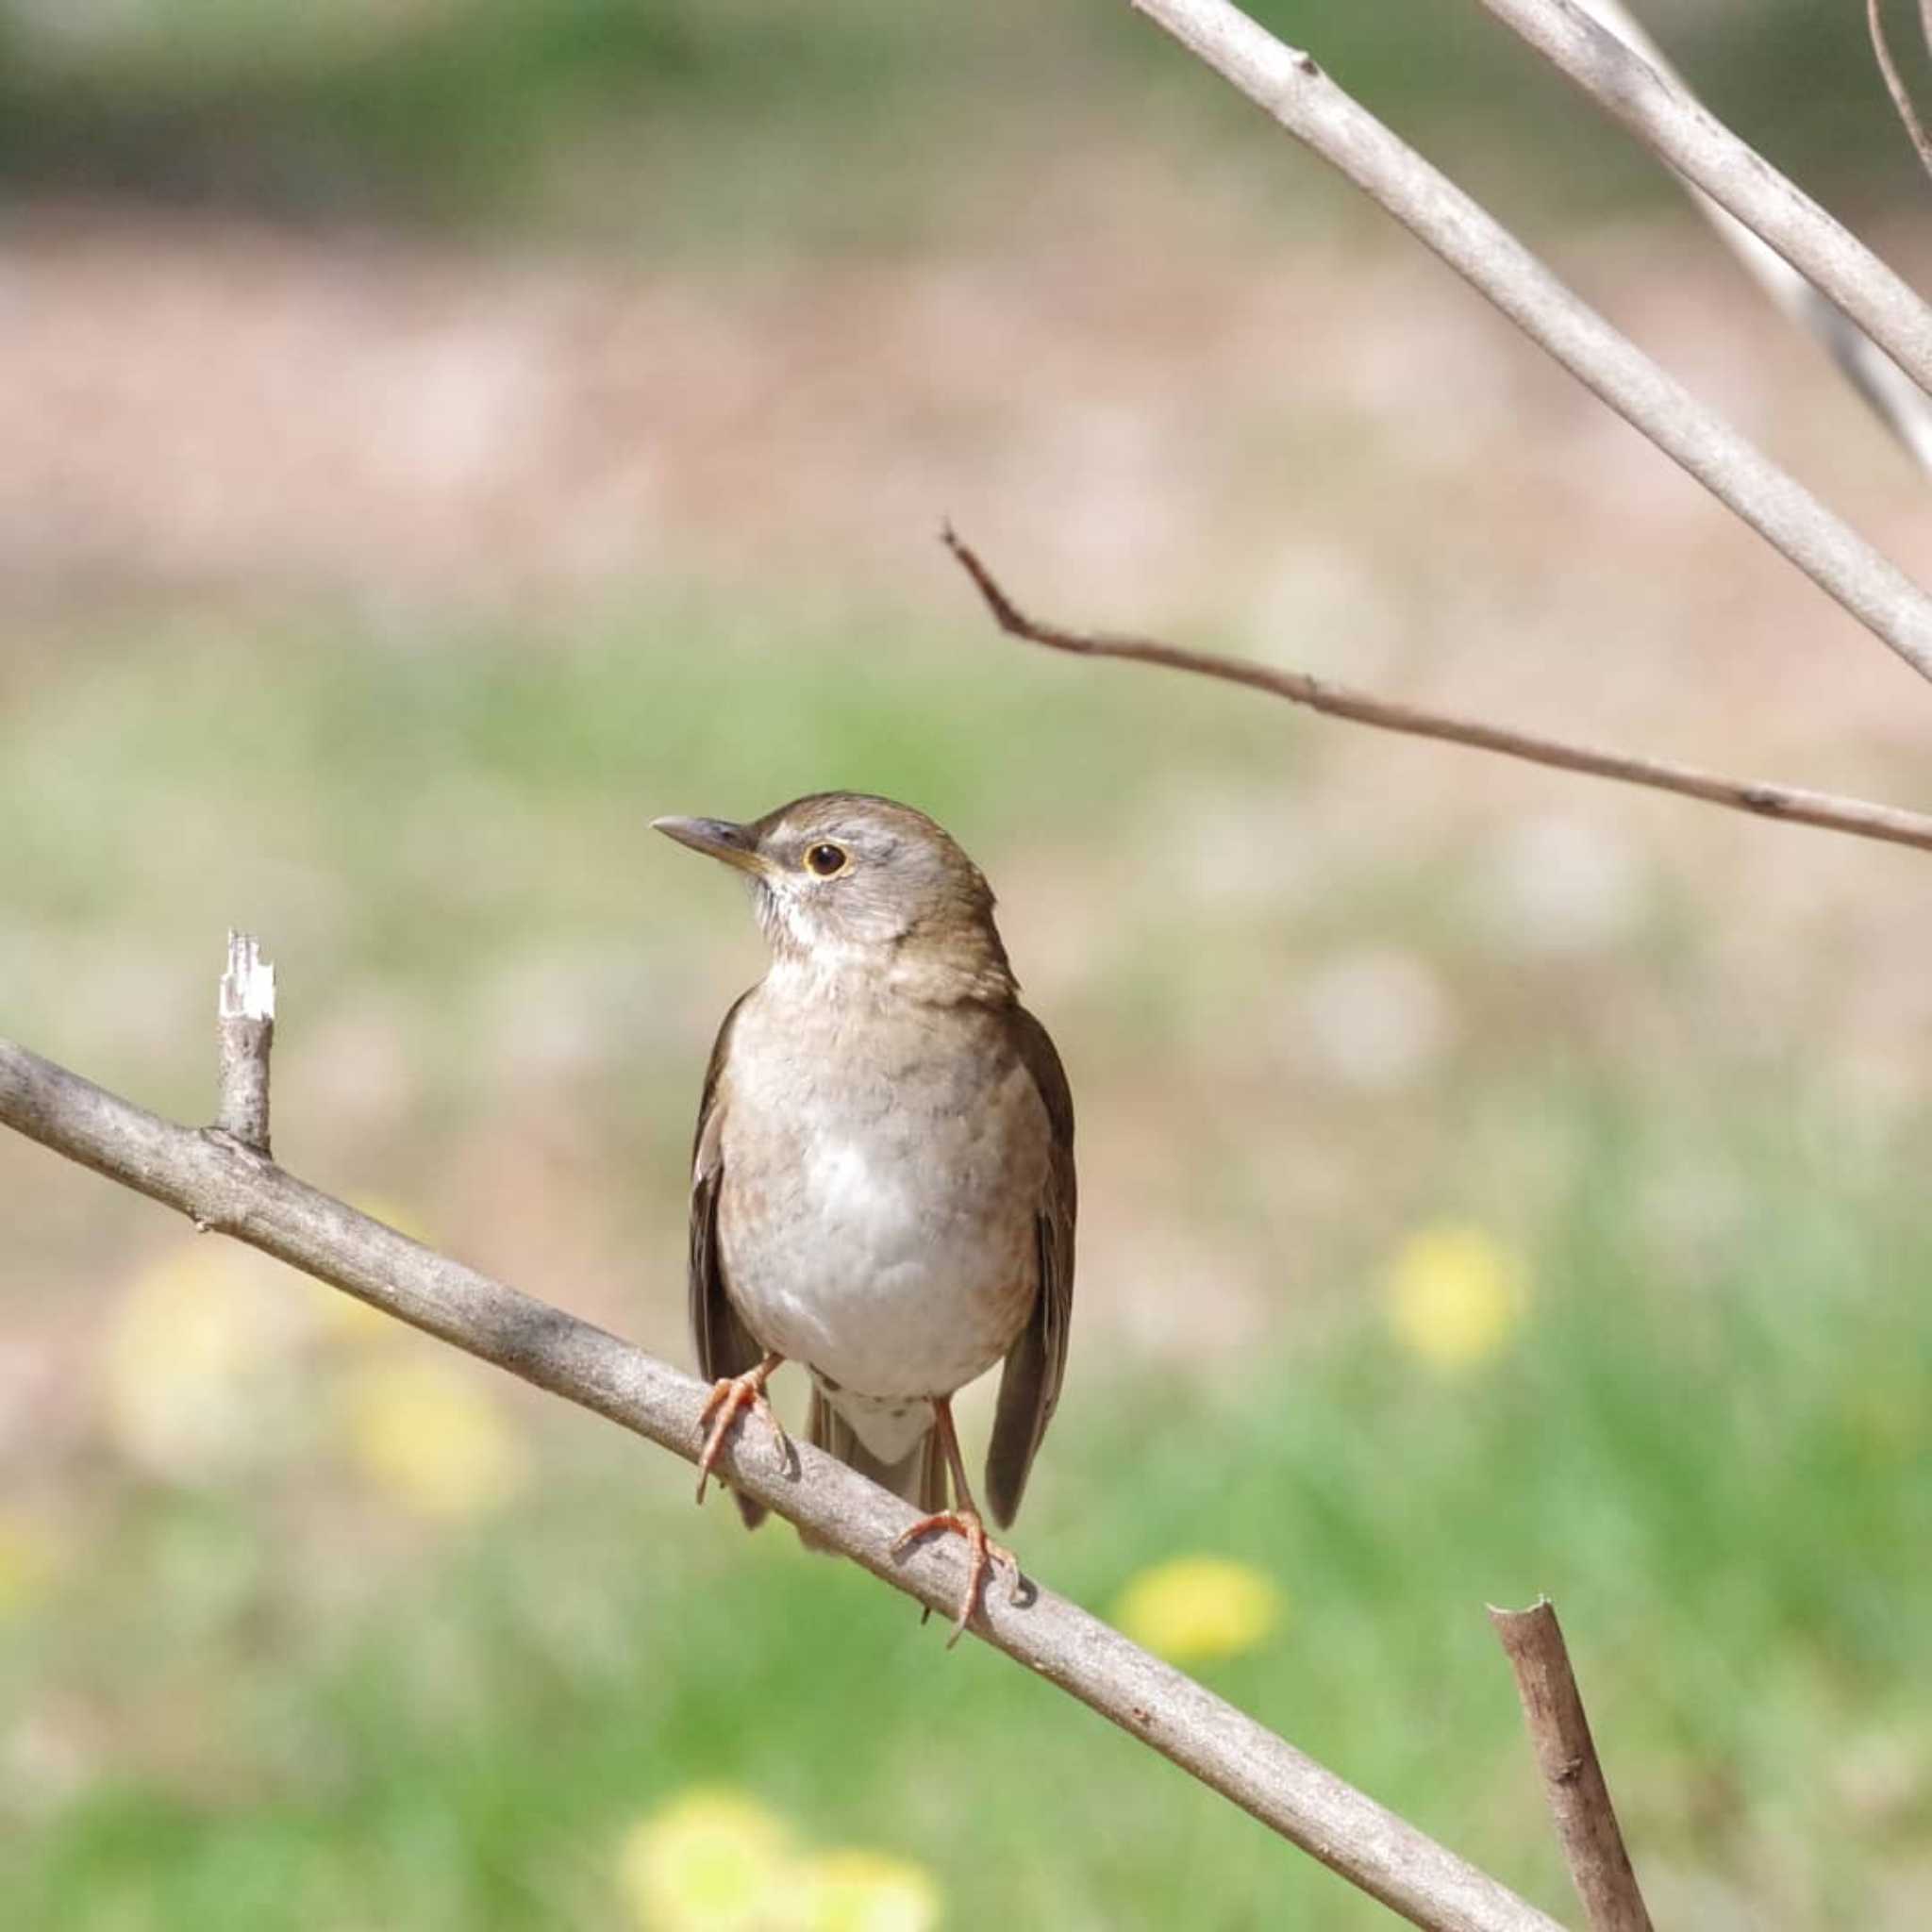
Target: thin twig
1895, 84
1824, 278
222, 1186
245, 1031
1573, 1778
1787, 802
1294, 91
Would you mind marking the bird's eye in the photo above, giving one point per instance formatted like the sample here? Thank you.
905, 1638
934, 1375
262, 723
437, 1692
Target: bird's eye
827, 862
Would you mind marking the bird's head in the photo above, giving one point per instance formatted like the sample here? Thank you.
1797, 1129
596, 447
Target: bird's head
846, 884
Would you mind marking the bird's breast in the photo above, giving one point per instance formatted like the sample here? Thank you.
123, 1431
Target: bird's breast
881, 1176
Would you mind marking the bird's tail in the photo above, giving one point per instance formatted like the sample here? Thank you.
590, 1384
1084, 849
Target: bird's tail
920, 1475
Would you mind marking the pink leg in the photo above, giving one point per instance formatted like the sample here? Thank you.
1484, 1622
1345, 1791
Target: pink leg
729, 1398
982, 1553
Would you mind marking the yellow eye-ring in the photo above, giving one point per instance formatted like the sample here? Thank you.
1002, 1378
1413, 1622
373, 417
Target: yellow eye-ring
827, 862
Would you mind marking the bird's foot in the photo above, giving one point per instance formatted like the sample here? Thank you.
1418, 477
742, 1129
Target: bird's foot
729, 1398
982, 1554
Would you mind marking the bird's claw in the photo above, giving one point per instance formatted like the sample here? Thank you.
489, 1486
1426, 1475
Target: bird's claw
729, 1398
982, 1555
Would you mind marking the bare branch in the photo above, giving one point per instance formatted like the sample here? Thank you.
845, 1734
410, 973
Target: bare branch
222, 1185
1622, 72
1789, 802
1573, 1778
1895, 84
1746, 200
1296, 93
245, 1032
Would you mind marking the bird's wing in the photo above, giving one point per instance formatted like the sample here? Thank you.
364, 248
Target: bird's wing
1035, 1364
725, 1346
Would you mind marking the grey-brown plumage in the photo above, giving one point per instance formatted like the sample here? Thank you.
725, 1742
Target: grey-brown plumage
883, 1174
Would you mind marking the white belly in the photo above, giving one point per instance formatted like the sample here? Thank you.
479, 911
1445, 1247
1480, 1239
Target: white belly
884, 1233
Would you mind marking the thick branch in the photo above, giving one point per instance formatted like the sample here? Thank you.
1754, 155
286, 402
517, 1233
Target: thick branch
1790, 802
1650, 101
224, 1186
1573, 1778
1296, 93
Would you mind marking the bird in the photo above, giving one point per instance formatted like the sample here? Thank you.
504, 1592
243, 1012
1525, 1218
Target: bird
882, 1177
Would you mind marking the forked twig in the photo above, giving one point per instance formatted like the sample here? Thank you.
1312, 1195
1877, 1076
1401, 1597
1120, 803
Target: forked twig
1855, 816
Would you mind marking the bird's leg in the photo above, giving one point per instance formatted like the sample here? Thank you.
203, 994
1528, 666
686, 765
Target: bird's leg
982, 1553
729, 1398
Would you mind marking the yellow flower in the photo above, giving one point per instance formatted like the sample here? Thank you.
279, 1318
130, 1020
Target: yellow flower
712, 1861
430, 1435
1200, 1607
717, 1860
28, 1558
860, 1892
1455, 1294
188, 1363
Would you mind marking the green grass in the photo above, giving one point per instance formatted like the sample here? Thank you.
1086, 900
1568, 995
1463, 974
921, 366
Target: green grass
1717, 1469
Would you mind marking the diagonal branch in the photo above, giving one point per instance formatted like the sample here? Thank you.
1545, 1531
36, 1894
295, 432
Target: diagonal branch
1614, 63
224, 1185
1288, 85
1579, 1799
1890, 822
1820, 274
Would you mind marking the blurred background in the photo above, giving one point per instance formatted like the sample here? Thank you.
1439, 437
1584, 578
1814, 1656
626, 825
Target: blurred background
437, 436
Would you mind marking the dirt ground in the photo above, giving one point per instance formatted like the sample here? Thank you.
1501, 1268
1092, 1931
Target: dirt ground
1276, 439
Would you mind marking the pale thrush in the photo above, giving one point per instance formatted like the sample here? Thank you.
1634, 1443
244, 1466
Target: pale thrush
882, 1186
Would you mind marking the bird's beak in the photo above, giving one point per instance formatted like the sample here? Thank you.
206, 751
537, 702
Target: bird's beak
716, 839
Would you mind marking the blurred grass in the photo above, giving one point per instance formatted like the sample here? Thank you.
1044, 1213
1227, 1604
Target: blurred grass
272, 1696
667, 123
482, 787
1718, 1469
268, 1693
